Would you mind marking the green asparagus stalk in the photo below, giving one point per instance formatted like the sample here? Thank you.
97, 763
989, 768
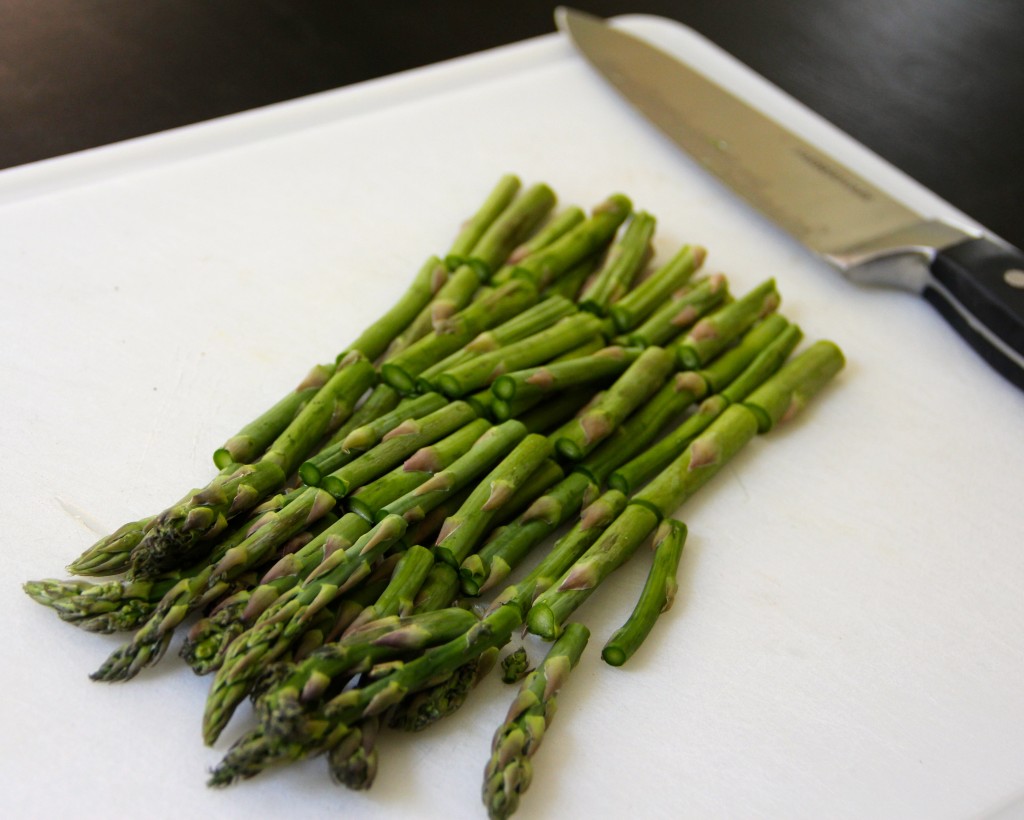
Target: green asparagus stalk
112, 606
474, 227
111, 555
497, 558
681, 312
621, 266
643, 378
439, 590
656, 597
547, 265
284, 620
335, 456
530, 321
712, 334
426, 285
544, 414
641, 428
488, 449
252, 440
382, 399
506, 301
616, 544
784, 395
538, 381
370, 500
558, 226
728, 366
566, 334
462, 531
458, 290
178, 530
396, 446
513, 227
397, 599
633, 308
509, 771
546, 476
569, 284
353, 762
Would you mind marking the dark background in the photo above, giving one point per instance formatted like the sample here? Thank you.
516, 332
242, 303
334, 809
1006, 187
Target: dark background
934, 86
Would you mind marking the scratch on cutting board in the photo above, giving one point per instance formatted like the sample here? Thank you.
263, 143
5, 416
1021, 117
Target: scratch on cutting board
82, 518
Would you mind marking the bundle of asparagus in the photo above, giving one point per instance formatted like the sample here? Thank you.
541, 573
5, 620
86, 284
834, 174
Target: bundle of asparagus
531, 379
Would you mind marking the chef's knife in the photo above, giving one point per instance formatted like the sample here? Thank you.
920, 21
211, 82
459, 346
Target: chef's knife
975, 281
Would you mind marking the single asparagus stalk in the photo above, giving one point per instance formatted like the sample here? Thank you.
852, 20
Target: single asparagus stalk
681, 312
641, 428
712, 334
513, 227
489, 311
621, 266
111, 555
542, 415
509, 771
498, 557
382, 399
633, 308
178, 530
396, 446
595, 520
515, 666
335, 456
785, 394
271, 532
546, 476
538, 381
569, 284
353, 762
428, 282
757, 355
397, 599
282, 622
371, 499
113, 606
328, 726
252, 440
643, 378
566, 334
487, 449
656, 597
615, 545
530, 321
558, 226
429, 705
474, 227
457, 291
462, 531
584, 240
439, 590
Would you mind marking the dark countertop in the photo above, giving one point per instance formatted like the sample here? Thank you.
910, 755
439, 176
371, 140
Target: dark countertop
934, 86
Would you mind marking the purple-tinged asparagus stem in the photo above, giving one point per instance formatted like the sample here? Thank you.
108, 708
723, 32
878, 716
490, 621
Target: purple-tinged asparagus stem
509, 771
656, 597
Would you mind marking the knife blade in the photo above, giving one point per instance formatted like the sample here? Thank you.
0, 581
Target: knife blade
974, 280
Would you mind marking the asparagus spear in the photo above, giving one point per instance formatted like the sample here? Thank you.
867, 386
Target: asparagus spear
712, 334
177, 531
787, 393
569, 284
548, 264
473, 228
397, 599
509, 770
488, 449
113, 606
513, 227
334, 456
621, 266
371, 499
111, 555
558, 226
537, 381
650, 294
656, 597
683, 310
396, 446
252, 440
478, 372
644, 376
515, 666
284, 620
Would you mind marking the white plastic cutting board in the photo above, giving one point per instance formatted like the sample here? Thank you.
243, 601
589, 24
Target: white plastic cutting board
847, 641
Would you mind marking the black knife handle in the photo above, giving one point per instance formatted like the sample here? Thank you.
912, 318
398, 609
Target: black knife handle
978, 287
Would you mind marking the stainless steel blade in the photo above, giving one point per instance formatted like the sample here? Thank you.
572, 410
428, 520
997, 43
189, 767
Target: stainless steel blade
825, 205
